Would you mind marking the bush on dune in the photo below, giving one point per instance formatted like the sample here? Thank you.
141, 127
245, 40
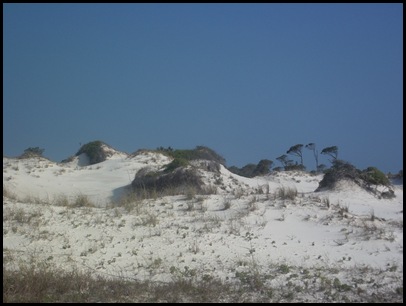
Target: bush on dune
180, 176
200, 152
342, 170
176, 163
32, 152
180, 180
94, 150
374, 176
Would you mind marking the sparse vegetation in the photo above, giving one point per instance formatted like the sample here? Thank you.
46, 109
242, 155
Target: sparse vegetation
286, 193
42, 281
67, 160
326, 201
32, 152
182, 226
82, 200
8, 194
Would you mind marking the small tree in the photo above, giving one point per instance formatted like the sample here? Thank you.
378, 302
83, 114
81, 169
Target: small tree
296, 150
283, 159
248, 170
312, 146
331, 151
263, 167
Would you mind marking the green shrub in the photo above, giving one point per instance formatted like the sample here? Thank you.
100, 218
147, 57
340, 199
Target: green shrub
340, 170
176, 163
94, 151
375, 177
181, 180
200, 152
370, 176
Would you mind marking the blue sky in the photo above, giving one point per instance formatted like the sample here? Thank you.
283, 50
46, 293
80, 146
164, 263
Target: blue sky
247, 80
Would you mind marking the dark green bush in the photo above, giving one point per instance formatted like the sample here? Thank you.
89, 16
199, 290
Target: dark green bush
200, 152
252, 170
94, 151
371, 176
246, 171
263, 167
179, 181
339, 170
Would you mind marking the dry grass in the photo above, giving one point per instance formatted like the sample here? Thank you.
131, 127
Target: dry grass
82, 200
286, 193
43, 283
40, 281
8, 193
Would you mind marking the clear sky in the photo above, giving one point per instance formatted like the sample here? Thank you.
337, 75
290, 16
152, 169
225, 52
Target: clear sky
247, 80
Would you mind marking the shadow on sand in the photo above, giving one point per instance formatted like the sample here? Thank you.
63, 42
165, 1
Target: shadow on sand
120, 192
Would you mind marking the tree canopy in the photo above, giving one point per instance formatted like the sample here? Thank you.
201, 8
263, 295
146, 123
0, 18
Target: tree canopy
296, 150
331, 151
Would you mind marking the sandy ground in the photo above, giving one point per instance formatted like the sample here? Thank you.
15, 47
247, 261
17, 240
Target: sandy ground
347, 234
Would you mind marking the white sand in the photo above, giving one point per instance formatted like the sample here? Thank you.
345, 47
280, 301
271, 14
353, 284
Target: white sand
174, 232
